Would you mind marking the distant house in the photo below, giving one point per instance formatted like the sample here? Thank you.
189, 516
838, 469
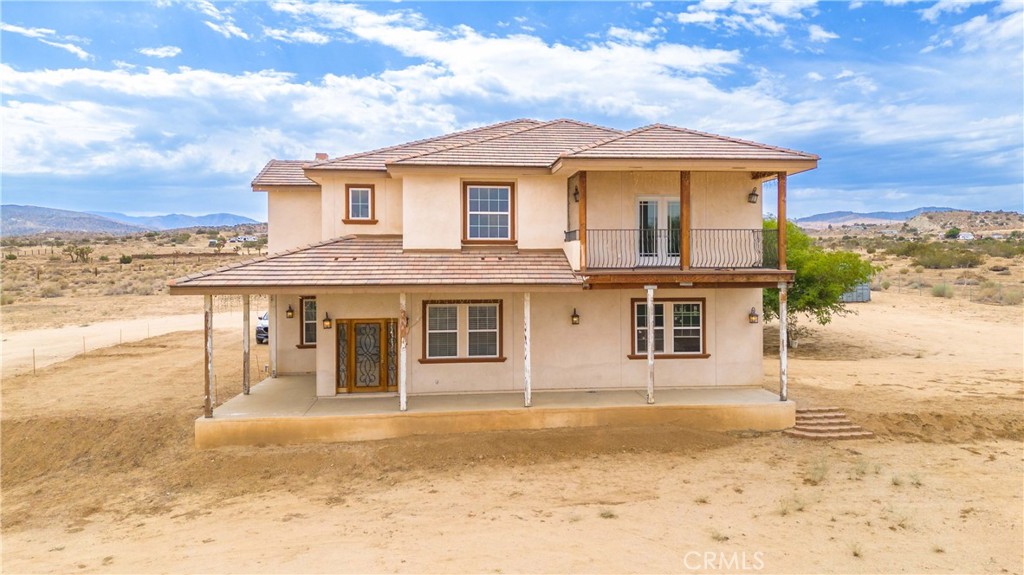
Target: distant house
965, 236
516, 258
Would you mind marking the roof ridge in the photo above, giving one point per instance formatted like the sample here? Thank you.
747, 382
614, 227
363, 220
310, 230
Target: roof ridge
736, 140
609, 140
463, 144
499, 136
355, 155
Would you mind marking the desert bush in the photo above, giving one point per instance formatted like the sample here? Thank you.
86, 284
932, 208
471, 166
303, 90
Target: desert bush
50, 290
104, 258
125, 259
6, 299
10, 256
942, 290
886, 285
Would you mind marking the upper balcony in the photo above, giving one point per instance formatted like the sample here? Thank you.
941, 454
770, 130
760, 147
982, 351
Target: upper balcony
712, 249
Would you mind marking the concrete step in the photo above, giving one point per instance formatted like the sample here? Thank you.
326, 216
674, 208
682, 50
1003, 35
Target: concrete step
828, 435
825, 428
816, 409
820, 416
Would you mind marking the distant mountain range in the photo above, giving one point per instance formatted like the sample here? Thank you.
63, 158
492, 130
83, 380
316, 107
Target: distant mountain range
26, 220
174, 221
839, 218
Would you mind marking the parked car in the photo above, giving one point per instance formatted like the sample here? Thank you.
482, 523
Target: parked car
263, 328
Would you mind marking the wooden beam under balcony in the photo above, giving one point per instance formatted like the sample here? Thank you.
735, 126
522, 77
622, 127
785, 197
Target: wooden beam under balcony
622, 279
782, 220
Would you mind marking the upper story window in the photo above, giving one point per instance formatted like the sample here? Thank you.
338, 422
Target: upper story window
679, 328
307, 332
488, 212
359, 204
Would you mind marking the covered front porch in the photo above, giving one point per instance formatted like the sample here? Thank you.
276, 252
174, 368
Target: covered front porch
286, 410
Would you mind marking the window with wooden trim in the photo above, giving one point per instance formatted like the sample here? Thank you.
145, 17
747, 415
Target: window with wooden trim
679, 328
462, 331
488, 212
307, 331
359, 204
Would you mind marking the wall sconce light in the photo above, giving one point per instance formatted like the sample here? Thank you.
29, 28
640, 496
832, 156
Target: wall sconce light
576, 194
752, 196
327, 321
752, 317
575, 317
289, 313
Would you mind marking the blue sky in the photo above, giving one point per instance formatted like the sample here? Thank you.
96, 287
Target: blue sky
172, 106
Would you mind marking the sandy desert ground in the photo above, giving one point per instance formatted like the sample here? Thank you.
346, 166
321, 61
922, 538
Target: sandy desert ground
98, 472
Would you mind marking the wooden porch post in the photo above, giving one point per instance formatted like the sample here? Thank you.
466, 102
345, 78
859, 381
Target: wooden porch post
650, 342
684, 220
403, 345
527, 382
782, 220
245, 344
783, 343
272, 329
583, 221
208, 332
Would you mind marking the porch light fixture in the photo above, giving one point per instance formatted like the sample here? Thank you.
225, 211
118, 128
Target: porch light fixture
327, 321
752, 317
752, 196
576, 194
289, 313
575, 317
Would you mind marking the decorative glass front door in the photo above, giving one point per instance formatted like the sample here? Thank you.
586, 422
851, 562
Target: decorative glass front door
366, 355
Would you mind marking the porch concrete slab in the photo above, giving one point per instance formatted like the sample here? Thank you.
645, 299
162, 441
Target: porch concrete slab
285, 410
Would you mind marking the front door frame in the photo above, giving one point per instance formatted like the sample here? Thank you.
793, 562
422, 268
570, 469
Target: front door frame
389, 332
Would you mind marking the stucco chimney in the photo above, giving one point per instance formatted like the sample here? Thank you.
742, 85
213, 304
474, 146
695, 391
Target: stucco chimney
321, 156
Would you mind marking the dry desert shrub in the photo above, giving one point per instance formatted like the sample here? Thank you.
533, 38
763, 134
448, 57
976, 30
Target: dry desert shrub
942, 290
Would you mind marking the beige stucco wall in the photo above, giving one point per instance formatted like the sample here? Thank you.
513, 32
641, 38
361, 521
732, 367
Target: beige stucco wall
717, 199
285, 335
289, 213
541, 211
432, 212
592, 355
387, 208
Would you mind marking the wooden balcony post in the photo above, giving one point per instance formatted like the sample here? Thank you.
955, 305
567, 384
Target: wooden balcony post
650, 342
208, 359
684, 220
583, 221
245, 344
403, 353
782, 220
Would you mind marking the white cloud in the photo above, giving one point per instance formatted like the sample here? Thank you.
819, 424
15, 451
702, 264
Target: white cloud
160, 52
634, 36
761, 17
227, 29
932, 13
28, 32
298, 36
819, 34
814, 76
50, 38
698, 17
220, 21
855, 5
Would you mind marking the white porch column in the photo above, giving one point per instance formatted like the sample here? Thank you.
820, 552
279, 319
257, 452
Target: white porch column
650, 342
527, 376
208, 332
245, 344
783, 343
403, 352
272, 331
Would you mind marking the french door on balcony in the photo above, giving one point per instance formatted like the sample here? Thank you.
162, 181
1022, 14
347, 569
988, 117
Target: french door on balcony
658, 224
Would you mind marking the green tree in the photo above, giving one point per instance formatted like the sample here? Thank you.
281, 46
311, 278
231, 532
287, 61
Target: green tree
952, 233
822, 277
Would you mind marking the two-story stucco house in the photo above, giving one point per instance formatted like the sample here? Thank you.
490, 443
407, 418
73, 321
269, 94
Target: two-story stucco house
519, 257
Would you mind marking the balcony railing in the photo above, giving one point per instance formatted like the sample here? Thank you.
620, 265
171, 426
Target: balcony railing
709, 249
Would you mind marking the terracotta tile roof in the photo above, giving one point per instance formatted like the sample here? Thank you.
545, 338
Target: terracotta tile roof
659, 141
537, 146
375, 261
375, 159
282, 173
